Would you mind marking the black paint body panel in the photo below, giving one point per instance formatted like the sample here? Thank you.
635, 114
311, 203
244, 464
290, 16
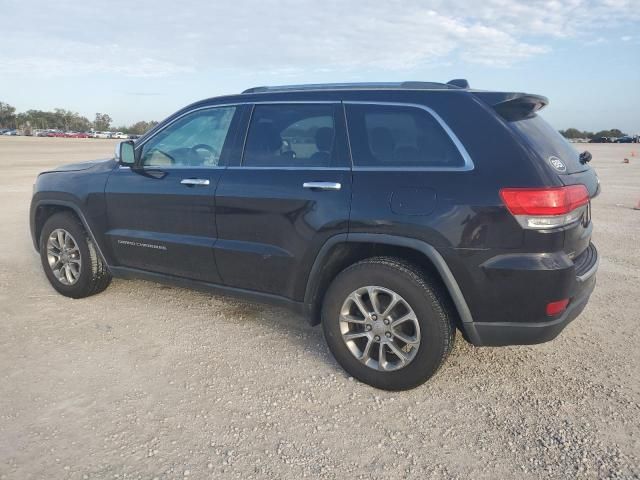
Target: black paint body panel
258, 230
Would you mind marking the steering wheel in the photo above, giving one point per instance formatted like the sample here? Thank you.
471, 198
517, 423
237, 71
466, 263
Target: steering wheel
149, 156
213, 154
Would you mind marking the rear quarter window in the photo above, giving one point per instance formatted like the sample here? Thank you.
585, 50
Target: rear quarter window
399, 136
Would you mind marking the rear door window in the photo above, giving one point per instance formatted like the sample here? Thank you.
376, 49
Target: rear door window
389, 136
291, 135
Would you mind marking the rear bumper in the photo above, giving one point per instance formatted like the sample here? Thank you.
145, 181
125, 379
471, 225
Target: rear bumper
533, 332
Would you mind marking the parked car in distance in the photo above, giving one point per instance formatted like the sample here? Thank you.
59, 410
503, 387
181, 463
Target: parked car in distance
4, 130
120, 135
102, 135
11, 133
624, 139
393, 214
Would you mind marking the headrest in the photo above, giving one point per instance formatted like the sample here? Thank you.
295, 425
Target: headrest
382, 143
265, 138
324, 139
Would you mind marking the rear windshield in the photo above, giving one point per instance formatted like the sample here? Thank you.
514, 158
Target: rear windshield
547, 142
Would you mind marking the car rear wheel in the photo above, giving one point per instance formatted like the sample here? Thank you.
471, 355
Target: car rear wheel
386, 324
70, 258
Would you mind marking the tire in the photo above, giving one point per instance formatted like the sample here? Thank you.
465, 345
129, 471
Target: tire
92, 273
430, 322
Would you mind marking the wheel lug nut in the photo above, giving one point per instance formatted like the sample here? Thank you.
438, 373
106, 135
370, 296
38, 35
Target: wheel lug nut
386, 321
368, 328
374, 317
388, 334
377, 338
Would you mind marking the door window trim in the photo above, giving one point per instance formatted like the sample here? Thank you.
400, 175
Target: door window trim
337, 105
468, 162
139, 148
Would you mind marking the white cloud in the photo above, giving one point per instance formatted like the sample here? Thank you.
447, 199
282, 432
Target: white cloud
596, 41
162, 38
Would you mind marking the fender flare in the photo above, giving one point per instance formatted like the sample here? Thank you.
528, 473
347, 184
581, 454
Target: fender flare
76, 209
426, 249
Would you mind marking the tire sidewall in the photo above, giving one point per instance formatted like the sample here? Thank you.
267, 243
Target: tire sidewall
424, 303
64, 221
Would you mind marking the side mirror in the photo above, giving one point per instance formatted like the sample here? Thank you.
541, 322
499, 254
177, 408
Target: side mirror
125, 153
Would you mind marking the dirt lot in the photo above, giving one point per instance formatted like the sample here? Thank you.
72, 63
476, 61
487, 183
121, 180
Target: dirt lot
146, 381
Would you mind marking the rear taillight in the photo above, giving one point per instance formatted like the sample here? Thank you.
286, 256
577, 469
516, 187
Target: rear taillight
539, 208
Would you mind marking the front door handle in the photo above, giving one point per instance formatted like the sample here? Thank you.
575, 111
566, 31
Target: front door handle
322, 185
194, 181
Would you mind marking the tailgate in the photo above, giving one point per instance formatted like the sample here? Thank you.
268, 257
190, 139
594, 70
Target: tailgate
578, 237
547, 143
559, 158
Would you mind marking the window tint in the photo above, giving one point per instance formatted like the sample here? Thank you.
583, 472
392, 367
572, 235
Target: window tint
195, 141
547, 141
399, 136
291, 136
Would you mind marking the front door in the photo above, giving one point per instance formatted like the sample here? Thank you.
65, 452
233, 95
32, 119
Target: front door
289, 193
161, 214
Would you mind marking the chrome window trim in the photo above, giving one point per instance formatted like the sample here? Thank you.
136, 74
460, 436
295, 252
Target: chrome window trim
468, 162
468, 166
292, 102
240, 167
206, 107
232, 104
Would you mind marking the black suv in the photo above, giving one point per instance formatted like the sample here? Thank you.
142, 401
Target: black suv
394, 214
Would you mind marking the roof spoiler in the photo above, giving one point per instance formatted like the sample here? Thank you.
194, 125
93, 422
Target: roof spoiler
512, 105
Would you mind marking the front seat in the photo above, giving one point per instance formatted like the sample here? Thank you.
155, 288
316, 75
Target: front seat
263, 145
324, 144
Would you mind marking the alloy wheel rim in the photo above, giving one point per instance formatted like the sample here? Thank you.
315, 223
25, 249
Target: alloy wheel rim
380, 328
64, 257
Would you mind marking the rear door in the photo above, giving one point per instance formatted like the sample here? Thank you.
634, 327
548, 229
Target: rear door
407, 168
284, 198
161, 214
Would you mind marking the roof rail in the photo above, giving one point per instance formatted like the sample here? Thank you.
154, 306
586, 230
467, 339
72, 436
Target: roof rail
459, 82
411, 85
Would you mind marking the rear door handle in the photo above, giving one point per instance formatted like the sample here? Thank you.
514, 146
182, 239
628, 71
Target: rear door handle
194, 181
322, 185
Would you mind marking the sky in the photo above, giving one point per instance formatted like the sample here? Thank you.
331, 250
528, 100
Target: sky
143, 60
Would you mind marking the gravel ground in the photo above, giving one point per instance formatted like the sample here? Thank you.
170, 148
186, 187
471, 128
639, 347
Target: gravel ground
146, 381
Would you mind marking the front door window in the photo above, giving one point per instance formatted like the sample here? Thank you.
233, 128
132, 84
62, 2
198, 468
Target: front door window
194, 141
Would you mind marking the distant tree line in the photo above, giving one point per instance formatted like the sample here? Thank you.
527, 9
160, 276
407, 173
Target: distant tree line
572, 133
66, 120
61, 119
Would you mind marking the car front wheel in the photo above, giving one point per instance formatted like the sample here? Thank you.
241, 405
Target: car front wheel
70, 258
